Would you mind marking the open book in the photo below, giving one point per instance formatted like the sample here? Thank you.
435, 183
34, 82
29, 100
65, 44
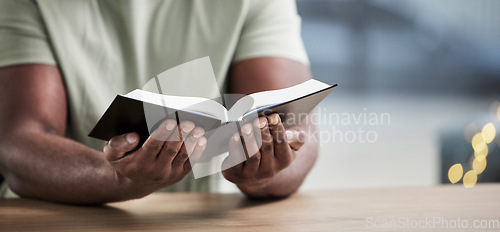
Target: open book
142, 111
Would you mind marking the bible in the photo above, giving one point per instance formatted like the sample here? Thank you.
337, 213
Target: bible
142, 111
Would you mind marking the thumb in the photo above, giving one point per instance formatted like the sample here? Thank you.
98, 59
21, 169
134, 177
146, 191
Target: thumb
119, 145
295, 138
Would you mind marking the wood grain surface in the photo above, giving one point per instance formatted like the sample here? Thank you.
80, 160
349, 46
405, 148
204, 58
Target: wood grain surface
333, 210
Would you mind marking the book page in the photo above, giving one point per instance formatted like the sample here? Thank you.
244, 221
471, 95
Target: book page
192, 104
273, 97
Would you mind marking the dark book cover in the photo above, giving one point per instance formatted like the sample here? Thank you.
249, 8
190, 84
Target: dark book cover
126, 115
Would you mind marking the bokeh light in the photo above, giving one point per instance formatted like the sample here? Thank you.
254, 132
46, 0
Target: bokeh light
479, 164
455, 173
478, 142
488, 132
483, 152
470, 179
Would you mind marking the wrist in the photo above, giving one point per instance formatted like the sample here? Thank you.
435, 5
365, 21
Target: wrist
128, 189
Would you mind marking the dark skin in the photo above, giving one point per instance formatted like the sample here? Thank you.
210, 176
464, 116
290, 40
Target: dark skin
278, 167
33, 122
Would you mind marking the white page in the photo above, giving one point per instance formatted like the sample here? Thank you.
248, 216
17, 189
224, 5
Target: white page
273, 97
193, 104
213, 108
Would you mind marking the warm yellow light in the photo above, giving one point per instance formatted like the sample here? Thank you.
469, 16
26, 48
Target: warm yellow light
470, 179
455, 173
483, 152
479, 164
488, 132
477, 142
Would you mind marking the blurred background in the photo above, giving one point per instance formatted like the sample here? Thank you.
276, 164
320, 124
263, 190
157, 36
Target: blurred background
425, 74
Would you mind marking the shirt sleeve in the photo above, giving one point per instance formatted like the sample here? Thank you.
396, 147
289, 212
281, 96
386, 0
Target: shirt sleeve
271, 28
23, 38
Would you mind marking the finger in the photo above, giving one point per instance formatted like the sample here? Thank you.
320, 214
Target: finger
153, 145
267, 148
193, 138
295, 138
186, 128
232, 166
180, 158
234, 162
250, 143
195, 156
172, 145
119, 145
164, 130
182, 155
282, 151
252, 163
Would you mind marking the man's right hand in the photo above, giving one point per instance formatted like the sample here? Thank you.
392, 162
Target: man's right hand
37, 161
161, 161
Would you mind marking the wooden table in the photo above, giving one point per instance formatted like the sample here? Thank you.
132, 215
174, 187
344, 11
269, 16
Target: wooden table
305, 211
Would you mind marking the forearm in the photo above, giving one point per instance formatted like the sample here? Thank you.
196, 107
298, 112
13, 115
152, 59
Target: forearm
289, 179
50, 167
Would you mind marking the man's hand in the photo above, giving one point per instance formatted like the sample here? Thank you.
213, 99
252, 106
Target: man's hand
37, 161
161, 161
270, 73
274, 155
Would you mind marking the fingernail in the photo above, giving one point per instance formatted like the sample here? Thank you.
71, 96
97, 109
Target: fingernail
187, 127
256, 122
289, 135
170, 125
246, 129
198, 133
262, 123
302, 136
236, 137
131, 138
274, 120
202, 141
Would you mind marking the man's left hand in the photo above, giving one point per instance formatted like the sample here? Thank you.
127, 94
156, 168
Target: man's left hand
276, 153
